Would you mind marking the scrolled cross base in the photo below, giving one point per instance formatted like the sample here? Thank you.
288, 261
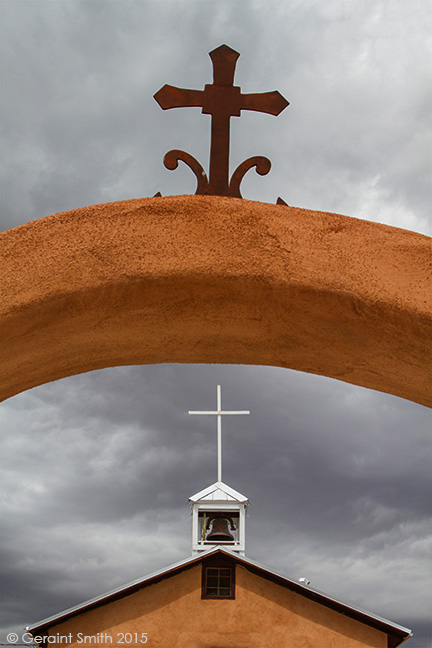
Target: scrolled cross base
171, 160
262, 166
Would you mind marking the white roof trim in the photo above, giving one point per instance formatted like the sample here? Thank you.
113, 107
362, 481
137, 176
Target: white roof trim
320, 593
219, 492
117, 590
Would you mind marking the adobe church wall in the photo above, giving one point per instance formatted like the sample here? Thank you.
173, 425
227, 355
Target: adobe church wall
172, 613
209, 279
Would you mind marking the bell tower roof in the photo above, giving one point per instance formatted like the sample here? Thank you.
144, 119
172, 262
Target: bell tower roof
218, 492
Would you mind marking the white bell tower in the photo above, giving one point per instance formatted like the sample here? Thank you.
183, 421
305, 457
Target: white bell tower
218, 511
218, 518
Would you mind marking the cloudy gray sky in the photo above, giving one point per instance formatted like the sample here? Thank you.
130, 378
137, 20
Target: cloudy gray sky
97, 469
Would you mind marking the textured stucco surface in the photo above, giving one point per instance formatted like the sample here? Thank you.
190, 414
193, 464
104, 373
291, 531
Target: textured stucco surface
216, 280
263, 614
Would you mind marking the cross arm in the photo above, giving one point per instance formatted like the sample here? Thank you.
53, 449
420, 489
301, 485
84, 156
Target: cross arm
242, 412
221, 412
171, 97
268, 102
214, 413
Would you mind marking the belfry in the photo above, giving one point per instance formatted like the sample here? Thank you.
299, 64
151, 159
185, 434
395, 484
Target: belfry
218, 518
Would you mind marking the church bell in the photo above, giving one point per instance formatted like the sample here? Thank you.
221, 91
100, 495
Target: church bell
220, 532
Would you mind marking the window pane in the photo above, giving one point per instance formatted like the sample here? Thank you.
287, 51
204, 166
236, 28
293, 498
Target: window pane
218, 582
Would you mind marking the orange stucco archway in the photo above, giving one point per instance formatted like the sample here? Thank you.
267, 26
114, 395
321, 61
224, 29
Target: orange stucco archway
216, 280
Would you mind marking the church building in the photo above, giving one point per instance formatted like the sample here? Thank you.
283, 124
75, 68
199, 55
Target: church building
218, 598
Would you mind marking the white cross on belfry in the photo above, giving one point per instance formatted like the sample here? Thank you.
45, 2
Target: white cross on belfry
219, 413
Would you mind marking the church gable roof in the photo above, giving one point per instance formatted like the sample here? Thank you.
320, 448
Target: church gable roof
396, 633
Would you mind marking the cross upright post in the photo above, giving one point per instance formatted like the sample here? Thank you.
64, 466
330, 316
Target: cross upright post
219, 413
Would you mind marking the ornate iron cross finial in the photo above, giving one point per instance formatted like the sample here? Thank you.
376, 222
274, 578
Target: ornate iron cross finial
222, 100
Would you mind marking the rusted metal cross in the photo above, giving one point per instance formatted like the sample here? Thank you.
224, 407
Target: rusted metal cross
222, 100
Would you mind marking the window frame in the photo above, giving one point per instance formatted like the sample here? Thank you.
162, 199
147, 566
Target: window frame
218, 564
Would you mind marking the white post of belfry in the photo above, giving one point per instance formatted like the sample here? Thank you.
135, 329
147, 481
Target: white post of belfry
219, 413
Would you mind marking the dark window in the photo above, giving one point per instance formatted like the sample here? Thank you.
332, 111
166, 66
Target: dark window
218, 582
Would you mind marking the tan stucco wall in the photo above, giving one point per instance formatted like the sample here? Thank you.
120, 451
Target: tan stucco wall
263, 614
216, 280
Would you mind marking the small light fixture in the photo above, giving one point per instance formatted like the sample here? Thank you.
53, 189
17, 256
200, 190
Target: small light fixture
304, 581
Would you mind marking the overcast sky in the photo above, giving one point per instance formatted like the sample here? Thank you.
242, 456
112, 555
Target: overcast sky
98, 468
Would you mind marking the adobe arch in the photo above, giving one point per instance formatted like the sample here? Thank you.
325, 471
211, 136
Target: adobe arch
208, 279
